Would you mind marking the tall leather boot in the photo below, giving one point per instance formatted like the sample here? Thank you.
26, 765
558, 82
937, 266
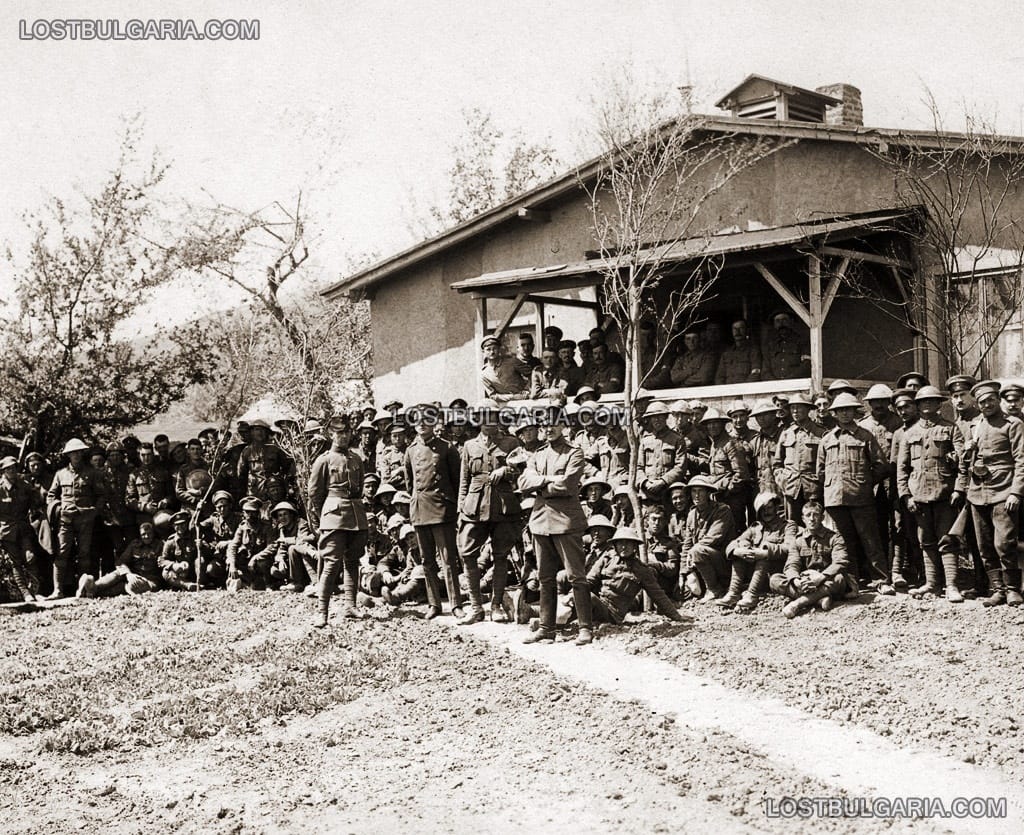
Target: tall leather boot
1011, 576
996, 588
735, 592
350, 592
433, 593
476, 603
949, 568
548, 604
21, 581
756, 588
932, 562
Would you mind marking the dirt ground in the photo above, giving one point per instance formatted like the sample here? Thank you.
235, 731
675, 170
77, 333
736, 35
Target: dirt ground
217, 713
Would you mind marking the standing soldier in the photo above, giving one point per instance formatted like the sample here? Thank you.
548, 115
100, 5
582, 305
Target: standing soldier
882, 422
119, 519
926, 474
992, 471
965, 416
795, 464
149, 487
557, 524
727, 466
906, 546
849, 463
335, 499
662, 454
432, 471
764, 445
15, 533
391, 460
79, 491
488, 510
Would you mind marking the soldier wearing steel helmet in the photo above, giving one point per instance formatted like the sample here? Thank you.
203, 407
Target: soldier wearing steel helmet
291, 553
662, 454
795, 463
755, 555
261, 460
80, 494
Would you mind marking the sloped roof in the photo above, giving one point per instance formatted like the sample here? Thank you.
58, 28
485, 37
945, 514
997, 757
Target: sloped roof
753, 83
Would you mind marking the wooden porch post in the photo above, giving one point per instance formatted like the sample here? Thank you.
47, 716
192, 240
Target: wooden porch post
816, 321
480, 330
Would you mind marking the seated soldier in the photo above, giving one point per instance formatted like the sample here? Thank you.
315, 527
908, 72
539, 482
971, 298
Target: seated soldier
410, 586
246, 566
622, 577
662, 551
382, 500
383, 561
218, 529
818, 567
599, 533
709, 529
593, 492
178, 561
758, 552
622, 507
137, 571
294, 550
689, 580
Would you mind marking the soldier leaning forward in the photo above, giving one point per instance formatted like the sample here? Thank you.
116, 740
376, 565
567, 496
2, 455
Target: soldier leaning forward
817, 570
757, 553
293, 552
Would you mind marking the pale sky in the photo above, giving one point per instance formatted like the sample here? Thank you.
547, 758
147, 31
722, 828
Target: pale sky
358, 102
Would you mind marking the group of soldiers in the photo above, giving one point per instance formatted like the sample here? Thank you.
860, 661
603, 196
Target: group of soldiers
514, 512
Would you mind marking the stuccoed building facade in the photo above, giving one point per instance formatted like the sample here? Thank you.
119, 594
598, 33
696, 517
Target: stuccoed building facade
819, 227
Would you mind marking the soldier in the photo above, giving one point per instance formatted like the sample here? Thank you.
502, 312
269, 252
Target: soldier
764, 446
162, 450
118, 517
149, 487
992, 472
570, 370
695, 366
599, 532
218, 529
795, 464
391, 461
739, 426
79, 492
926, 474
137, 571
786, 354
622, 577
16, 550
501, 377
432, 471
525, 359
837, 387
662, 551
410, 584
710, 527
293, 553
912, 380
548, 379
588, 438
755, 555
662, 454
260, 461
613, 453
741, 361
906, 549
247, 564
817, 567
882, 422
557, 524
821, 415
1012, 395
726, 466
488, 511
179, 556
850, 462
605, 375
594, 490
552, 336
334, 499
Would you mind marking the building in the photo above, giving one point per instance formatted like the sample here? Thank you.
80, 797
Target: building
819, 227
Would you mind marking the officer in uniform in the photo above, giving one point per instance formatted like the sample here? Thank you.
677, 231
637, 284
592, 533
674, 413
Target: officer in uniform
786, 355
992, 471
488, 510
557, 523
850, 462
906, 546
81, 495
795, 464
882, 422
432, 470
926, 472
335, 499
16, 497
963, 542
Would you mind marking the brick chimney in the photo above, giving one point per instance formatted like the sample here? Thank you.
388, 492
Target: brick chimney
850, 113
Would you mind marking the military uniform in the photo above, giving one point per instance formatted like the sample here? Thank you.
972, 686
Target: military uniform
783, 355
119, 519
694, 368
850, 461
811, 553
432, 469
548, 382
621, 580
739, 363
557, 523
178, 562
795, 466
749, 574
148, 490
763, 448
662, 462
607, 378
727, 467
138, 570
488, 510
80, 495
705, 538
256, 465
391, 466
16, 536
613, 458
504, 382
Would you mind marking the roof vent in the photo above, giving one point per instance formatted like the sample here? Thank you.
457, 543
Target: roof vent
758, 97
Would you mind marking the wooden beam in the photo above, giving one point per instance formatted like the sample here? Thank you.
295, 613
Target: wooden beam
870, 257
511, 289
784, 292
538, 307
516, 305
563, 302
534, 215
902, 287
833, 287
817, 317
480, 329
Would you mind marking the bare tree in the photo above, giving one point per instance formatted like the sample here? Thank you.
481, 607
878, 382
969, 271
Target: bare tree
967, 188
661, 167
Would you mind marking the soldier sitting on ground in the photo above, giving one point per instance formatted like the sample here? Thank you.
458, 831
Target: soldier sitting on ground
178, 561
709, 529
246, 567
662, 551
817, 570
137, 571
758, 552
410, 586
294, 550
